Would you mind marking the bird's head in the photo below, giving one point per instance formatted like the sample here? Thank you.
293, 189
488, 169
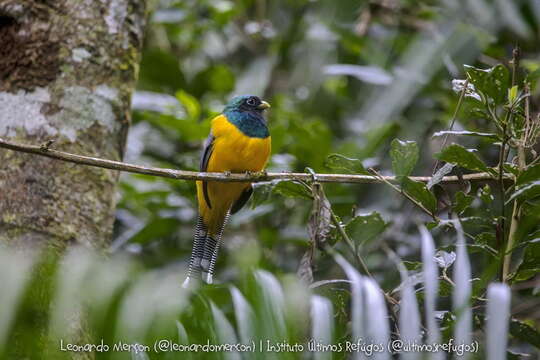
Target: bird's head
246, 103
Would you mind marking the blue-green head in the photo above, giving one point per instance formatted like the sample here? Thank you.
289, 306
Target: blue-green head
246, 113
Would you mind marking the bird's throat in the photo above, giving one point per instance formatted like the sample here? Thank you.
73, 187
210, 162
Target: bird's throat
251, 124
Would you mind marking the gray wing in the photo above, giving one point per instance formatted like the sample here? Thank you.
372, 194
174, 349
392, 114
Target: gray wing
205, 158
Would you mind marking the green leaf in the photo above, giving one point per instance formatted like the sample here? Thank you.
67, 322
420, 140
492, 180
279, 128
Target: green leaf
261, 193
529, 190
159, 71
478, 221
532, 173
184, 129
533, 76
530, 265
193, 108
292, 189
457, 154
488, 136
524, 332
485, 238
412, 265
462, 202
364, 228
430, 225
136, 355
485, 194
418, 191
445, 289
182, 333
220, 79
448, 318
514, 355
511, 168
484, 241
499, 81
224, 331
155, 229
512, 94
492, 83
344, 164
404, 156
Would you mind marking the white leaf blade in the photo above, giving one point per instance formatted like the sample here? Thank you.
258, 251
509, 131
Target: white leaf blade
431, 286
462, 292
322, 328
498, 314
245, 317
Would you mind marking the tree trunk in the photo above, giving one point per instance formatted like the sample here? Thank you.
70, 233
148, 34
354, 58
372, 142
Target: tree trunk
67, 71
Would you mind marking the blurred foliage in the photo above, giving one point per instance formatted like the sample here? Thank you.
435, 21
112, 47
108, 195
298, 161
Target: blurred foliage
346, 80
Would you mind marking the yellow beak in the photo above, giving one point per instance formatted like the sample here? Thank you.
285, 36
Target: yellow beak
264, 105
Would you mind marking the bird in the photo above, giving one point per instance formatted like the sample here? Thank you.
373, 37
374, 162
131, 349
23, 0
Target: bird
239, 142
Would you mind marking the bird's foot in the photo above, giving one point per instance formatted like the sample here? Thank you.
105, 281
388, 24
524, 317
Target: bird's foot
257, 174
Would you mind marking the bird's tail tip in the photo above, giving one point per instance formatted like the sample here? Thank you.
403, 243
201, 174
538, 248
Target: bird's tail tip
200, 269
188, 283
204, 255
191, 282
208, 277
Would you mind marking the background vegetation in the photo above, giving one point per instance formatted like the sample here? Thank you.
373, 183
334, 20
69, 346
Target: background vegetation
347, 78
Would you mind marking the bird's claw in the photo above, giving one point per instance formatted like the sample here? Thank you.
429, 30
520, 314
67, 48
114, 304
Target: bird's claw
257, 174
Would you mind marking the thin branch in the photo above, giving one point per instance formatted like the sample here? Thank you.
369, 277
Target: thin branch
454, 117
337, 224
320, 283
516, 209
328, 249
349, 242
410, 198
45, 150
446, 278
502, 159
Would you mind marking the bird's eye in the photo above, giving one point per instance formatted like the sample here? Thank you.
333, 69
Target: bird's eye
252, 101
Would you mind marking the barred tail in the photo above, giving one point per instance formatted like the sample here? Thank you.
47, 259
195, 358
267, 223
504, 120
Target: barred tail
197, 253
211, 249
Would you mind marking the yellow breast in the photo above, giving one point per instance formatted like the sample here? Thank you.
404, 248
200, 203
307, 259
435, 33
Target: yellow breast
235, 152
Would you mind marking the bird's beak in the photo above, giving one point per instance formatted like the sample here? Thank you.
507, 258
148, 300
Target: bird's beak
264, 105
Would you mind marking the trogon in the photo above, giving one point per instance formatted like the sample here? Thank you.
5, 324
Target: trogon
239, 142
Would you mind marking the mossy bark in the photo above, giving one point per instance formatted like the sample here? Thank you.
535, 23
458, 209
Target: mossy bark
67, 71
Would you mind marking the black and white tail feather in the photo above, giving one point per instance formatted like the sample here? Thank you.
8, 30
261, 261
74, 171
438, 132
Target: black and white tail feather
205, 246
204, 254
